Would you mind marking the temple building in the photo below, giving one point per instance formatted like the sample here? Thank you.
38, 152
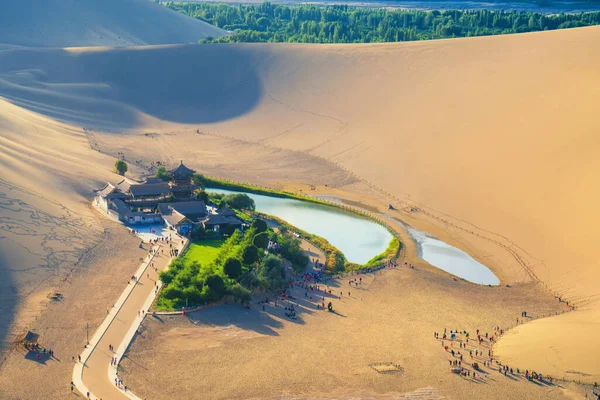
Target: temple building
181, 185
172, 203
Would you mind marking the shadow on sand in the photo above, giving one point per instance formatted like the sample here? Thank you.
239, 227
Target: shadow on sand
8, 299
107, 89
42, 359
227, 315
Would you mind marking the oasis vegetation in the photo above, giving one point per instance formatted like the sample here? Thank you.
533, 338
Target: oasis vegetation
233, 250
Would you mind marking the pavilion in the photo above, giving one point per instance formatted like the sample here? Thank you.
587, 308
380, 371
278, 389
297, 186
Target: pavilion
172, 203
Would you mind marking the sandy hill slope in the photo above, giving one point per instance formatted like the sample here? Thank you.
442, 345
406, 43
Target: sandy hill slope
498, 132
46, 222
74, 23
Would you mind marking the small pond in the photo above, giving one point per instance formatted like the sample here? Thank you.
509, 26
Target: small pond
451, 259
358, 238
148, 232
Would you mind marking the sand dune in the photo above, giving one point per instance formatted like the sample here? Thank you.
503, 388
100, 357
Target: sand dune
496, 135
47, 172
75, 23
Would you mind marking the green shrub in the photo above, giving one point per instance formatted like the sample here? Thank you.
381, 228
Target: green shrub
172, 292
240, 294
244, 217
252, 280
272, 271
390, 252
289, 247
336, 262
193, 295
217, 285
199, 180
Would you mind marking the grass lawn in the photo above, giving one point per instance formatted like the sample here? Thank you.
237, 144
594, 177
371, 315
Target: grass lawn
203, 251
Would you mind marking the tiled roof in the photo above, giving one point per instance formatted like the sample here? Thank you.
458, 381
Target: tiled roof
226, 212
182, 171
174, 218
190, 207
124, 186
150, 189
214, 219
120, 207
108, 189
153, 180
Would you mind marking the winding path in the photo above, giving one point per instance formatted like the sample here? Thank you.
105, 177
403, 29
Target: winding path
94, 374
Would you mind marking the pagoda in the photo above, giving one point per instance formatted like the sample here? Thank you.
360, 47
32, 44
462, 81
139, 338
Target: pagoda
181, 184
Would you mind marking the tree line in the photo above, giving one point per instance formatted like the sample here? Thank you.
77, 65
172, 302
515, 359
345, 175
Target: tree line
268, 22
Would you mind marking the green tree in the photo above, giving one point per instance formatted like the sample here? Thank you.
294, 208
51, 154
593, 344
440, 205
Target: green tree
289, 247
172, 293
163, 174
232, 268
262, 23
121, 167
261, 240
216, 285
272, 271
239, 201
167, 276
240, 294
216, 198
259, 225
250, 255
342, 24
202, 195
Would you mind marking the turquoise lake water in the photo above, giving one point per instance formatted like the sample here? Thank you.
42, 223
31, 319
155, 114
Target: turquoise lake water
358, 238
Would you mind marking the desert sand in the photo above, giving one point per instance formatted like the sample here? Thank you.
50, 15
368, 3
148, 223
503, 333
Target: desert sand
390, 317
487, 143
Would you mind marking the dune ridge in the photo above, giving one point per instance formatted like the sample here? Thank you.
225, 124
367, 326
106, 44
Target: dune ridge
75, 23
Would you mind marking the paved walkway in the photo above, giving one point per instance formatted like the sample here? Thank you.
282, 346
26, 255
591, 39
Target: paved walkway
95, 373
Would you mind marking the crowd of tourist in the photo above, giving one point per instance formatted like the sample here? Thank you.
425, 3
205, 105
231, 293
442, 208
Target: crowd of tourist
478, 349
